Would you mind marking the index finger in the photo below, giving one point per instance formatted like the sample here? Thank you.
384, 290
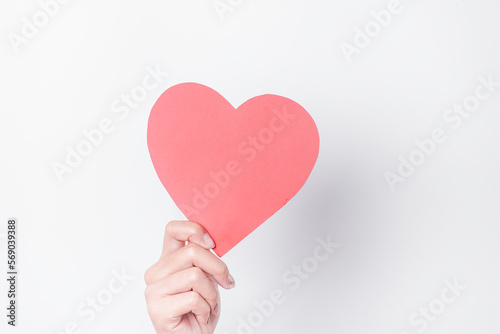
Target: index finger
177, 232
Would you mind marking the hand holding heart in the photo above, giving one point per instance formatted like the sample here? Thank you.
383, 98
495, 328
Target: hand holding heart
182, 287
230, 169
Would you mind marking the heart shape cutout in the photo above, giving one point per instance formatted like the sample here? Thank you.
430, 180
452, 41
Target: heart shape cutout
230, 169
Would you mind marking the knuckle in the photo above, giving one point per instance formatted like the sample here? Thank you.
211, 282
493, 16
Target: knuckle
195, 274
193, 230
159, 310
154, 311
212, 298
198, 228
148, 276
191, 250
222, 270
168, 227
147, 292
151, 308
193, 298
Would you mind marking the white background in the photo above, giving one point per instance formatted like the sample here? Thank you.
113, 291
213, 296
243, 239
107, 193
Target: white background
396, 248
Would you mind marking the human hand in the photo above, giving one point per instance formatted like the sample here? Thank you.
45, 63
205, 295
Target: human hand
182, 290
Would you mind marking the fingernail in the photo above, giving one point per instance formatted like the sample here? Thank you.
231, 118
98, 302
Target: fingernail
208, 241
230, 281
208, 319
216, 308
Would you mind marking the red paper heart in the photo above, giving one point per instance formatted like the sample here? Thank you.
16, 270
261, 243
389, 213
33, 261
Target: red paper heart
230, 170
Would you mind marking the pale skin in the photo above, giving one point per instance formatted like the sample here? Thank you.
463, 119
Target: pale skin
182, 292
